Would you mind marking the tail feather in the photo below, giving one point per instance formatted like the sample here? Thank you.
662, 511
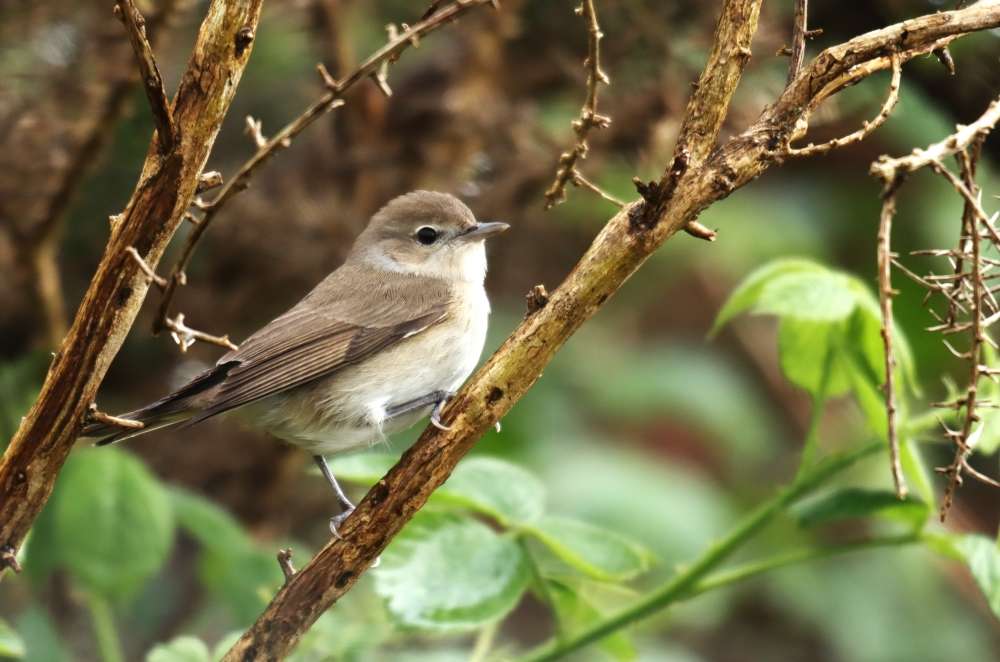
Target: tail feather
170, 410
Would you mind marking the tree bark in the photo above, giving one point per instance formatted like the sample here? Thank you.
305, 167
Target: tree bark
111, 303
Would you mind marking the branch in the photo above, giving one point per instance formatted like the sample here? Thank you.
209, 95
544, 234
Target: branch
135, 24
266, 148
167, 182
799, 31
589, 117
689, 185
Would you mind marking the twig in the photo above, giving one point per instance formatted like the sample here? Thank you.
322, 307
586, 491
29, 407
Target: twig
98, 416
185, 336
886, 293
887, 169
135, 25
580, 180
589, 117
799, 31
285, 562
330, 100
151, 275
892, 98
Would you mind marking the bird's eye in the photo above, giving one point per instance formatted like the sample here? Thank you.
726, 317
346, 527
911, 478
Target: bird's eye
427, 235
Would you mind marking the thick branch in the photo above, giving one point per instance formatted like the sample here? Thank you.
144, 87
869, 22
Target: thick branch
620, 248
333, 98
112, 300
152, 82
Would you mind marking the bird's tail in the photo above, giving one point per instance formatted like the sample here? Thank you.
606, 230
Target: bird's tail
175, 408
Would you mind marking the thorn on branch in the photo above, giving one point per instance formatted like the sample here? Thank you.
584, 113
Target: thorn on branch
209, 180
329, 82
944, 56
537, 298
97, 416
699, 231
255, 129
285, 563
8, 559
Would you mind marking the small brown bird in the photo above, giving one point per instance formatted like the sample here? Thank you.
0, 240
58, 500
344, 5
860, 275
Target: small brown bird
382, 342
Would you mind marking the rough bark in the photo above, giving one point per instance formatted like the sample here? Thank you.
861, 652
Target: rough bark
111, 303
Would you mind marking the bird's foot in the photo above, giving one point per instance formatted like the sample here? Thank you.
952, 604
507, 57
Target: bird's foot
337, 520
438, 408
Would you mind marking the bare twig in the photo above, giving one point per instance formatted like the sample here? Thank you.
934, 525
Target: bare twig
971, 307
891, 99
185, 336
885, 260
159, 281
580, 180
589, 117
798, 50
135, 24
94, 414
266, 148
285, 563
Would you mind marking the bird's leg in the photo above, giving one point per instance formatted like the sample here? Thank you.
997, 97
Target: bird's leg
437, 398
345, 504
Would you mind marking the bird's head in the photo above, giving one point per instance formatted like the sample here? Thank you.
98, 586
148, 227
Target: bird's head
428, 234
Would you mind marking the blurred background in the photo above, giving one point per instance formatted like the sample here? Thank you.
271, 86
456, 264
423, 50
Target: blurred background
641, 424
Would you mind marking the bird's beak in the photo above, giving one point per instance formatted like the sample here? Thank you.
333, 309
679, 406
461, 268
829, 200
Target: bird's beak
483, 230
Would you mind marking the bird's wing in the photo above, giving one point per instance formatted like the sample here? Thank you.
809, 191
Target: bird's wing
337, 325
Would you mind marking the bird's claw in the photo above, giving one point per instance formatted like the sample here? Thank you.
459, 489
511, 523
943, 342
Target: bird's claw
337, 520
436, 413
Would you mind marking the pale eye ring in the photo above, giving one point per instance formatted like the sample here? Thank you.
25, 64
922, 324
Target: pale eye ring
427, 235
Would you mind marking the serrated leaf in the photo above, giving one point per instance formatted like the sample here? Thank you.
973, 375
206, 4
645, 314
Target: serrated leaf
180, 649
592, 550
449, 574
983, 558
748, 293
113, 525
11, 644
574, 613
855, 502
490, 486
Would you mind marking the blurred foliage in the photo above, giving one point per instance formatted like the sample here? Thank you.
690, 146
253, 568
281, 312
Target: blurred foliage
640, 446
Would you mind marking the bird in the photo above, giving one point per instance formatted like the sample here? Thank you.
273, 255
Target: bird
382, 342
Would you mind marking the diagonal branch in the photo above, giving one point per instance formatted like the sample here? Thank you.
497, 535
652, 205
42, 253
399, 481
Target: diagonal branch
135, 24
627, 240
165, 186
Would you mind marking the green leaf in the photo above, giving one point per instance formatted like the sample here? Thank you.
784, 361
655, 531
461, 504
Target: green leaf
113, 524
592, 550
748, 293
809, 295
447, 573
499, 489
231, 566
983, 558
575, 612
855, 502
40, 636
807, 349
486, 485
180, 649
11, 645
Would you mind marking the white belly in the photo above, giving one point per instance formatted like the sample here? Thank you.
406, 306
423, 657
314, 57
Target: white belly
348, 409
